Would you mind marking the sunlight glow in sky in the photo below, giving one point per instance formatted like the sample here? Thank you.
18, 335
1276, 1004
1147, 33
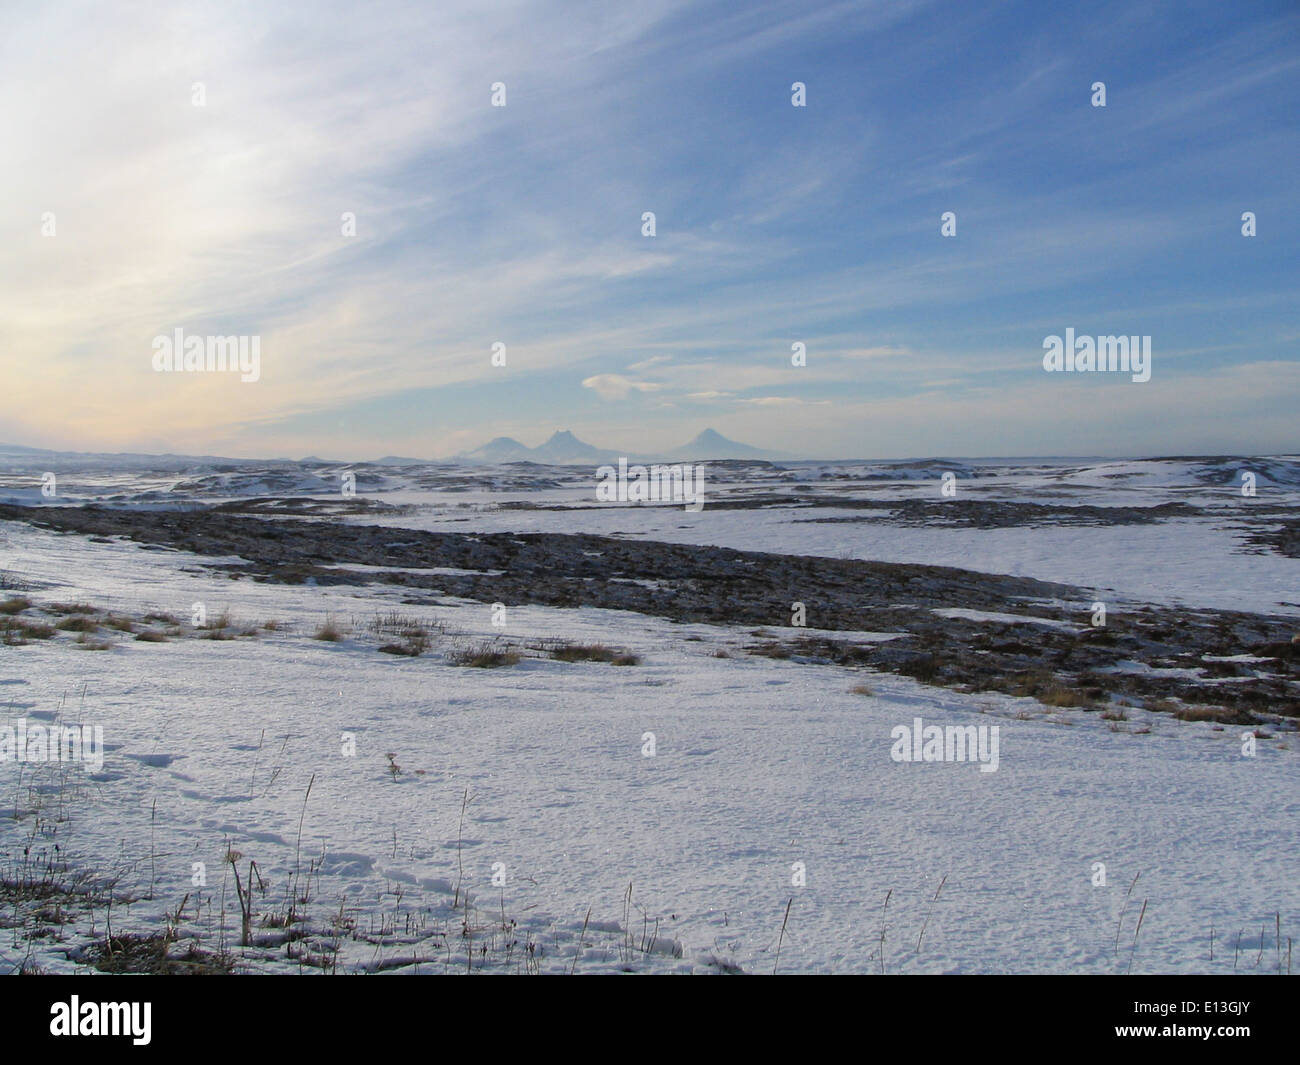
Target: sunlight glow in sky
775, 224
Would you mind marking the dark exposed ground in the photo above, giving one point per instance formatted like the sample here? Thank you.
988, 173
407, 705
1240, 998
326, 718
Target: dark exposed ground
1285, 539
965, 513
1061, 666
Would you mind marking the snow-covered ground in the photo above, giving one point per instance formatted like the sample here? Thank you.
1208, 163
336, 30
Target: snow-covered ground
757, 765
1197, 560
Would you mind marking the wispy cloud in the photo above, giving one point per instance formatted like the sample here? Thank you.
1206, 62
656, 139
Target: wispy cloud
478, 225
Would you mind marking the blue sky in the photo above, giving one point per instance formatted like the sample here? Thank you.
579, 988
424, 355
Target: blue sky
775, 224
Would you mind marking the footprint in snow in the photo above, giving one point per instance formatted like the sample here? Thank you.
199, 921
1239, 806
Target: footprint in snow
347, 865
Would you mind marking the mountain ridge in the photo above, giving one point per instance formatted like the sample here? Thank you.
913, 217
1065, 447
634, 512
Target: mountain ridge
563, 448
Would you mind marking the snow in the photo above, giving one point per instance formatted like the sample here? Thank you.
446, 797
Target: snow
759, 764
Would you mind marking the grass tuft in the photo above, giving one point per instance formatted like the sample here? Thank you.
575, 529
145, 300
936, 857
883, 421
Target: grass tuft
1218, 714
85, 644
329, 631
594, 652
72, 608
483, 656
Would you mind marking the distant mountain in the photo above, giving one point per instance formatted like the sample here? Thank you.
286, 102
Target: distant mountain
711, 444
565, 449
562, 449
86, 460
502, 449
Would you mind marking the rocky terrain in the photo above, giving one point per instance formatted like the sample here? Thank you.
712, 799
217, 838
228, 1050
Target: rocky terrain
957, 628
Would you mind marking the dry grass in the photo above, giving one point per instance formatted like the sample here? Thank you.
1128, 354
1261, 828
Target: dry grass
151, 636
151, 955
922, 667
216, 624
416, 635
72, 608
484, 656
78, 623
412, 646
1219, 714
15, 632
13, 582
14, 605
395, 623
862, 689
84, 643
1050, 690
1059, 695
329, 631
593, 652
216, 634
